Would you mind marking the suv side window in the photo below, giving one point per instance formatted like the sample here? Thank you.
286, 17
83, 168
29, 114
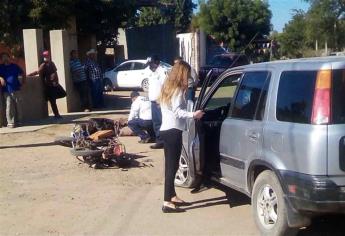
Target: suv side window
252, 91
224, 93
338, 97
295, 96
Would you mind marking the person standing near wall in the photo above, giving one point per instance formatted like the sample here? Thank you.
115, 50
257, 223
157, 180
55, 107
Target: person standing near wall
10, 73
48, 73
79, 80
156, 81
174, 114
94, 75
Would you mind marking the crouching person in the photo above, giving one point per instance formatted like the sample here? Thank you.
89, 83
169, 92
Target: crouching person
140, 119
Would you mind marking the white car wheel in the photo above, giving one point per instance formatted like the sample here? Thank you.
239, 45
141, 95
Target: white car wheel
145, 85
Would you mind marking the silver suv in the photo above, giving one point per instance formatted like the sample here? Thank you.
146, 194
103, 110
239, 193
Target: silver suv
276, 132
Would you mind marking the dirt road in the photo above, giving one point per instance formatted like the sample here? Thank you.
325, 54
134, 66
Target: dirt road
45, 191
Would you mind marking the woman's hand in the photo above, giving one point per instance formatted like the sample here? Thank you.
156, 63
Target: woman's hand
198, 114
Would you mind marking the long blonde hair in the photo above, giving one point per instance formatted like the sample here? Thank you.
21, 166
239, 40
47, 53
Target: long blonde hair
177, 81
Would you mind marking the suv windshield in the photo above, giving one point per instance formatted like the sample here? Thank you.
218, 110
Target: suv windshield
338, 97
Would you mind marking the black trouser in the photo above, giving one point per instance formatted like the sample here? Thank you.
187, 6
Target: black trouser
172, 140
83, 90
55, 110
156, 120
139, 126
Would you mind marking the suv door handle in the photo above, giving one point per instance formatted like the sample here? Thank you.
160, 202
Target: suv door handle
253, 135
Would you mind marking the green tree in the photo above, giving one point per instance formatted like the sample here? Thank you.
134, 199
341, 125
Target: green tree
176, 12
13, 18
235, 22
326, 22
100, 17
292, 40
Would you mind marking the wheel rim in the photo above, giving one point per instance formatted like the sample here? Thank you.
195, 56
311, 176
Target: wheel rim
182, 172
267, 207
145, 85
107, 87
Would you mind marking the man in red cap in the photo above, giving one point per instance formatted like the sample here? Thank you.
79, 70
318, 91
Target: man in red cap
48, 72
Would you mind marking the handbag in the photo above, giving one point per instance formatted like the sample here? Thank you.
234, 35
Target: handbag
59, 92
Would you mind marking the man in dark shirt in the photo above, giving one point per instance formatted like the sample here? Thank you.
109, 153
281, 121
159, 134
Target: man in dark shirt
10, 73
80, 80
48, 73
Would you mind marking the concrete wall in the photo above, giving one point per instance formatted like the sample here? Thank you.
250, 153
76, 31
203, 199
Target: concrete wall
32, 104
122, 45
192, 48
60, 49
32, 101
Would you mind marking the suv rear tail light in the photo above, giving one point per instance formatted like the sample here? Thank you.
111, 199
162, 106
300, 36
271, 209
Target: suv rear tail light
322, 98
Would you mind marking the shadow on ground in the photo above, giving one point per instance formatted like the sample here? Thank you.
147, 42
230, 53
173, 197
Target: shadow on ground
31, 145
114, 105
329, 225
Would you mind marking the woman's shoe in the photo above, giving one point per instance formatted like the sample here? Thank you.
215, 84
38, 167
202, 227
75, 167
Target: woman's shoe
167, 209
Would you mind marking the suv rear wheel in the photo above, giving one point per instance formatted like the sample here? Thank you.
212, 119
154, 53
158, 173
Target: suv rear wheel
269, 208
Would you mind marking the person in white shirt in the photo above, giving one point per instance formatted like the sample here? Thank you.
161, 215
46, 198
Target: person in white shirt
140, 118
174, 114
156, 81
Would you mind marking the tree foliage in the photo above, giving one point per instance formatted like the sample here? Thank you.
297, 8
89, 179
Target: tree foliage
235, 22
176, 12
100, 17
324, 22
293, 39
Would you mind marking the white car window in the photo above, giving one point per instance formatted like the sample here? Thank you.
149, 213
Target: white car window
124, 66
139, 66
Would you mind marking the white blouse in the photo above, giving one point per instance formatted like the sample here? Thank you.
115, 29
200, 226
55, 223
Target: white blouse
174, 116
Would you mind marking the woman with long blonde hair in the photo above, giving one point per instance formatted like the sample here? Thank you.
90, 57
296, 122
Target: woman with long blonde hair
173, 105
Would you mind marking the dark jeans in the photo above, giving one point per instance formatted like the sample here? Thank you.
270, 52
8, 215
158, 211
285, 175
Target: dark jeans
97, 93
190, 93
139, 126
54, 107
83, 90
156, 120
172, 139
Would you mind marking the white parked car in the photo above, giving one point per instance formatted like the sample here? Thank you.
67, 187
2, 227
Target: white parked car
129, 74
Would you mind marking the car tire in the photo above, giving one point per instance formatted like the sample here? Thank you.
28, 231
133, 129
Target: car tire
86, 152
145, 85
183, 177
107, 85
64, 141
269, 207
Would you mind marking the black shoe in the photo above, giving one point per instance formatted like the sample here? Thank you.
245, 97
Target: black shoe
157, 146
167, 209
199, 189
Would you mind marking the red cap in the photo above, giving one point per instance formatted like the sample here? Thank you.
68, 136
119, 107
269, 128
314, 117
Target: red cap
45, 54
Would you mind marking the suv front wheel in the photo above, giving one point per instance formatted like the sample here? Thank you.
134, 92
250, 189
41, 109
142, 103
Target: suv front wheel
183, 176
269, 207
